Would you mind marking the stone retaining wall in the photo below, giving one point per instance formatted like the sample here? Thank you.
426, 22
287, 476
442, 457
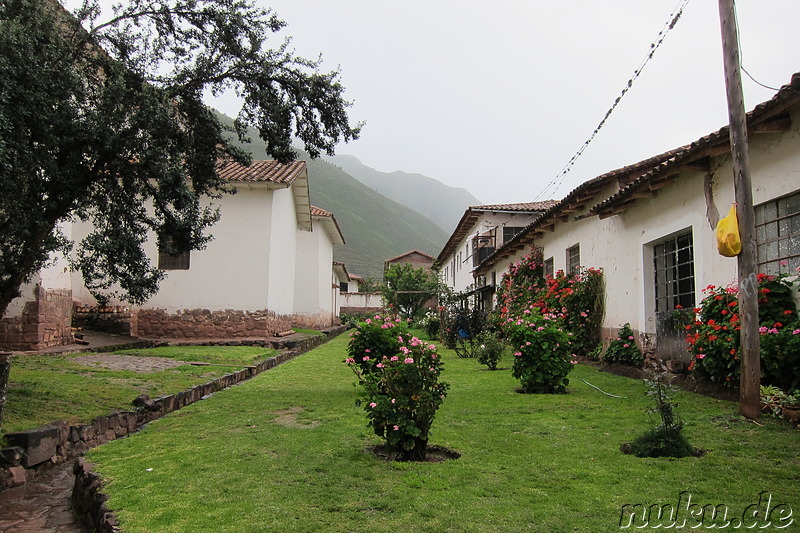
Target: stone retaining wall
117, 320
45, 322
31, 450
206, 324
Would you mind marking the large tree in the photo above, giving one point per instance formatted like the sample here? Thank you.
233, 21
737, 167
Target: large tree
408, 288
104, 121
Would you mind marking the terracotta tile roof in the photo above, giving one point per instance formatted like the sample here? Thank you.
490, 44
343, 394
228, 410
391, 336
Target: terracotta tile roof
525, 206
267, 171
768, 116
409, 253
319, 212
330, 224
651, 173
473, 213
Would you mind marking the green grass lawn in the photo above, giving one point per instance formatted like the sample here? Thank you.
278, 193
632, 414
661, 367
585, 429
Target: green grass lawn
287, 452
46, 388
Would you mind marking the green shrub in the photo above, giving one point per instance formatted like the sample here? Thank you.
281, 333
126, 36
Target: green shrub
430, 322
542, 358
401, 394
490, 349
375, 338
623, 350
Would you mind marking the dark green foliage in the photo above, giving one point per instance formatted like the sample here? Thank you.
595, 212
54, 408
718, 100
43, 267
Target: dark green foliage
623, 350
660, 442
490, 349
112, 136
407, 288
542, 360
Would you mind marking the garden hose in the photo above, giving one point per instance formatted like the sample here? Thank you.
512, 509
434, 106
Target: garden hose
604, 392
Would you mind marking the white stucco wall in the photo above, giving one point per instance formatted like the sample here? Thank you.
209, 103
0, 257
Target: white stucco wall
232, 272
314, 293
622, 245
456, 271
55, 275
282, 253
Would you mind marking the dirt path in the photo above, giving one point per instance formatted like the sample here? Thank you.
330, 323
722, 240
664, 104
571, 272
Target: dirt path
42, 505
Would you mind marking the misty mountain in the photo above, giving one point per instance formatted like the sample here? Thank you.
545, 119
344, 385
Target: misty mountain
441, 203
375, 228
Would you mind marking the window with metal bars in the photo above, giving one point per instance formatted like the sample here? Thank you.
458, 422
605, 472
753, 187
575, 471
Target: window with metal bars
673, 263
778, 235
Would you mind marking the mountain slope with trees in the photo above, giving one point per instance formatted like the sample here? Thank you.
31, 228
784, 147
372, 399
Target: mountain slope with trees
441, 203
375, 228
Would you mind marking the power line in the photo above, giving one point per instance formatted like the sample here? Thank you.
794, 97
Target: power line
741, 55
670, 24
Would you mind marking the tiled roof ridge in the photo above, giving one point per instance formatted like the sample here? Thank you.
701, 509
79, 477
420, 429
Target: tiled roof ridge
260, 171
409, 253
319, 212
518, 206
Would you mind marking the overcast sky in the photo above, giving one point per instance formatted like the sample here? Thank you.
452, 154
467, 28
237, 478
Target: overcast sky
496, 97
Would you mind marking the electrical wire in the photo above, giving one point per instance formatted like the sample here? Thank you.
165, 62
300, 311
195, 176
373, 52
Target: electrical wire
670, 24
741, 55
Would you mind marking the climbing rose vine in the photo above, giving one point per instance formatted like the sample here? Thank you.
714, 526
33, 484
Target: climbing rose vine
712, 332
576, 298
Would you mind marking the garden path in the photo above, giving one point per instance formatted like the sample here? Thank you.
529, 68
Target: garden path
41, 505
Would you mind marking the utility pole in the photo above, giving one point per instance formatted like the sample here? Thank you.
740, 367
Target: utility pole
750, 380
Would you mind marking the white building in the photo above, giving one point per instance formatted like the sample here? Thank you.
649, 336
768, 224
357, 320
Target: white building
269, 266
650, 226
481, 230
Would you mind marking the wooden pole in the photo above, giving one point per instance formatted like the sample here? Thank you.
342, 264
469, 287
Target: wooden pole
750, 380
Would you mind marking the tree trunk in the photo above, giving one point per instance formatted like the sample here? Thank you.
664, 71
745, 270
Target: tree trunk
5, 369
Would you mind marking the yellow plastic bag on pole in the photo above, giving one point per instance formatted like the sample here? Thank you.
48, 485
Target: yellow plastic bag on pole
729, 243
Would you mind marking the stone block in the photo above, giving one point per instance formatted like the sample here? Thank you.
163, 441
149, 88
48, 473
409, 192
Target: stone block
12, 456
39, 444
17, 476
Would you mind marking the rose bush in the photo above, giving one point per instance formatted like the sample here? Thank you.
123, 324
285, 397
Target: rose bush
542, 356
401, 394
375, 338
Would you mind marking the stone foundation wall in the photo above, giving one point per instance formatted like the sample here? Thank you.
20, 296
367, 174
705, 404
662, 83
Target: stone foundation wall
117, 320
206, 324
45, 322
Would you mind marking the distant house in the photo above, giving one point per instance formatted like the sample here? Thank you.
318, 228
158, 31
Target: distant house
650, 225
481, 230
414, 258
269, 266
